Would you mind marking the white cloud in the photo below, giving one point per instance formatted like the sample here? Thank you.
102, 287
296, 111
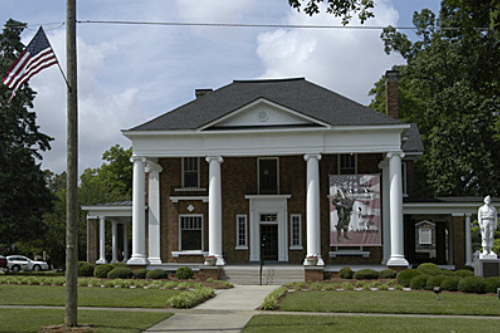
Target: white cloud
347, 61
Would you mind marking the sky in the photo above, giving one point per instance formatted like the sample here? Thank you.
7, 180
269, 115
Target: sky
129, 74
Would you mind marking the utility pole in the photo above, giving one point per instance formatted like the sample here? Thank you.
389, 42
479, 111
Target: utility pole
71, 317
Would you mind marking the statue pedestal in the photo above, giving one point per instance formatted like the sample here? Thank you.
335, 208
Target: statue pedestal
487, 267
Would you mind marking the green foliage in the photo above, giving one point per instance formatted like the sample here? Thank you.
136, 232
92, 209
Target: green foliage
469, 268
271, 300
120, 273
404, 277
450, 283
85, 269
491, 284
157, 274
429, 269
189, 299
25, 196
184, 273
419, 281
388, 274
140, 273
472, 284
119, 265
435, 281
464, 273
366, 274
339, 8
101, 271
346, 273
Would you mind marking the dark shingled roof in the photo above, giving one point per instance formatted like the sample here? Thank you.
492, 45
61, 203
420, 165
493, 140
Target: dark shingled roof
297, 94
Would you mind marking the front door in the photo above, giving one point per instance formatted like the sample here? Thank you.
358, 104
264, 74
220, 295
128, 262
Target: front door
269, 241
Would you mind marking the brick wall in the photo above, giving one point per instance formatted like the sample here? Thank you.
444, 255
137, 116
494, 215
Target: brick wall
92, 240
458, 241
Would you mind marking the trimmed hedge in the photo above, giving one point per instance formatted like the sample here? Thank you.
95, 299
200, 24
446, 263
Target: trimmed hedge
157, 274
388, 274
119, 265
464, 273
429, 269
184, 273
450, 283
101, 271
140, 273
346, 273
491, 284
366, 274
120, 273
435, 281
419, 281
472, 284
85, 269
405, 277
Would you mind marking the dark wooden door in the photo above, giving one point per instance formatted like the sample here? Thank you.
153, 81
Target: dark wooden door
269, 239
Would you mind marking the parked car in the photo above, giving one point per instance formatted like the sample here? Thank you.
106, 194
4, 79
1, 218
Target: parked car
16, 263
3, 263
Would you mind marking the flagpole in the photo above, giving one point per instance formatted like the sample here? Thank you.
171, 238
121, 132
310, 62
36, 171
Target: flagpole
71, 317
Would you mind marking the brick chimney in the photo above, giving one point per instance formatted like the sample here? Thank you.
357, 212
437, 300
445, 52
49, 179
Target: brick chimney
202, 92
392, 94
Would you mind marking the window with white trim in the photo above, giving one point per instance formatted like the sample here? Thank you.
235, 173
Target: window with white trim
191, 172
241, 232
191, 232
347, 164
296, 231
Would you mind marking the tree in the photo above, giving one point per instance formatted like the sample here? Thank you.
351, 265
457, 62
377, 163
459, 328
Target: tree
339, 8
24, 196
452, 79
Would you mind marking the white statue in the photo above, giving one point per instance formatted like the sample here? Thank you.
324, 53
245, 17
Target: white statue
487, 218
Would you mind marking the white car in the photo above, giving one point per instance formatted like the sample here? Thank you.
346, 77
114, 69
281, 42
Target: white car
16, 263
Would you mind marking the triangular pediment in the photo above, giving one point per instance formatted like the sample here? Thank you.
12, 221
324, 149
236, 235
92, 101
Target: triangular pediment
262, 114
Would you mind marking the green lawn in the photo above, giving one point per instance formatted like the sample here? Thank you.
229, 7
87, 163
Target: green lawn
32, 320
359, 324
391, 302
93, 297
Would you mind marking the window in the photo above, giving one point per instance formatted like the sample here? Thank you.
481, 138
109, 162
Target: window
268, 176
191, 172
241, 232
191, 232
296, 231
347, 164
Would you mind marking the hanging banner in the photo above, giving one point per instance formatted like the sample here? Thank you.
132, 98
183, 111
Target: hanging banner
355, 211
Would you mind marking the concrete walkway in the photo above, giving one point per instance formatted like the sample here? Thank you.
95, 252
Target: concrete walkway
228, 312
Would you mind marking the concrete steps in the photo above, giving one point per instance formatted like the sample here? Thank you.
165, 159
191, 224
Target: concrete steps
271, 274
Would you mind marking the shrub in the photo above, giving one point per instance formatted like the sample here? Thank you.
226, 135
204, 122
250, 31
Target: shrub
492, 284
405, 277
184, 273
450, 283
271, 301
464, 273
435, 281
140, 273
189, 299
469, 268
419, 281
387, 274
101, 271
85, 269
119, 265
120, 273
346, 273
472, 284
429, 269
366, 274
157, 274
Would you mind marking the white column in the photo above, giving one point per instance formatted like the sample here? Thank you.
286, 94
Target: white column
125, 242
154, 170
468, 241
114, 243
386, 227
397, 257
313, 215
215, 208
138, 213
102, 241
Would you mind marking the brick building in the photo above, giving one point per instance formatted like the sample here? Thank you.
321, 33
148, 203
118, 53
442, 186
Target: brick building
281, 170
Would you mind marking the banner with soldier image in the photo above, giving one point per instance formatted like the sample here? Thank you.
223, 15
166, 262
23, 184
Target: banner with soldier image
355, 210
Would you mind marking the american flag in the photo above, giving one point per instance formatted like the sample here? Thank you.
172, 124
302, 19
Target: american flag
37, 56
